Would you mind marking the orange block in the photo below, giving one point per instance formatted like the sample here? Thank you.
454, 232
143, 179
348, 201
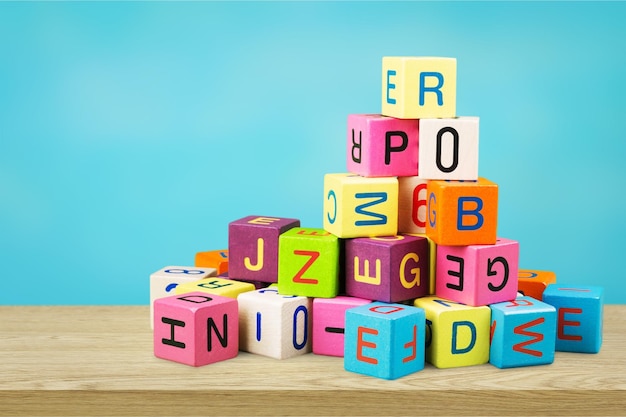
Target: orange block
533, 283
462, 213
217, 259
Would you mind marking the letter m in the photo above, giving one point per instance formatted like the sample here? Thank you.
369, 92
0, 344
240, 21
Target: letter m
536, 337
378, 218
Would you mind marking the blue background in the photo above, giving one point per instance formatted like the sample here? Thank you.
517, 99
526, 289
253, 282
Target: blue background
132, 133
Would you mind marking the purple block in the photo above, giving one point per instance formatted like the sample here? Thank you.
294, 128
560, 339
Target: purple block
253, 247
388, 269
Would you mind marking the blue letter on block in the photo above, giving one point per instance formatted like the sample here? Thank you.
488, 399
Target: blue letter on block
385, 340
390, 86
579, 314
455, 349
381, 218
462, 212
436, 89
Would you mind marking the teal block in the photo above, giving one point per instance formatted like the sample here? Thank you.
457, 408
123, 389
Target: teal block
384, 340
579, 316
308, 263
523, 333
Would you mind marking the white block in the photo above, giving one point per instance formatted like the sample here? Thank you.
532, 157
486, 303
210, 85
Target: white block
412, 205
274, 325
163, 281
448, 149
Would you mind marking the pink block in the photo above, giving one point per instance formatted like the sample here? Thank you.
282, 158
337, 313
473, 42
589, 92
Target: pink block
390, 269
253, 247
478, 275
196, 328
380, 146
329, 318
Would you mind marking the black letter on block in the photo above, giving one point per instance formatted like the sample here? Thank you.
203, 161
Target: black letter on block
389, 148
491, 272
455, 155
223, 337
458, 273
171, 341
356, 146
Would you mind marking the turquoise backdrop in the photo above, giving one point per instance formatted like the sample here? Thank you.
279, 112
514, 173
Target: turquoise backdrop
132, 133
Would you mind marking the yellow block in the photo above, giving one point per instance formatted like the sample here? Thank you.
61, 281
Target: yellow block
419, 87
356, 206
456, 335
216, 286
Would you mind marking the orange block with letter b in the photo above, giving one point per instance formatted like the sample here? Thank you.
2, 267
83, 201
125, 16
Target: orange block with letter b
462, 213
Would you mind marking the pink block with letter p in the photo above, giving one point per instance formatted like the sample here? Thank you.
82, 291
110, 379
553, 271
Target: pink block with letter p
478, 275
381, 146
196, 328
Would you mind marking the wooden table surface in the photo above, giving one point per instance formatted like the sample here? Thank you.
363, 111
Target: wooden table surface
98, 361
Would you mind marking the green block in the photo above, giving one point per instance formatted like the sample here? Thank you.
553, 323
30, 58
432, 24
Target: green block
308, 263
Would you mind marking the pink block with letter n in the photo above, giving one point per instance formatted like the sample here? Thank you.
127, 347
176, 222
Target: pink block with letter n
196, 328
478, 275
380, 146
253, 247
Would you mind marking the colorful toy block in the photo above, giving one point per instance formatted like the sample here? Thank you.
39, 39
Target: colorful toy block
356, 206
274, 325
478, 275
196, 328
384, 340
165, 280
462, 212
253, 247
456, 335
432, 261
329, 323
533, 283
412, 204
217, 259
522, 333
217, 286
389, 269
579, 314
448, 149
380, 146
419, 87
308, 263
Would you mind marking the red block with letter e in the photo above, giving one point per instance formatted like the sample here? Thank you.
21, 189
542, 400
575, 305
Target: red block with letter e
478, 275
388, 269
462, 212
523, 333
253, 247
380, 146
384, 340
196, 328
579, 311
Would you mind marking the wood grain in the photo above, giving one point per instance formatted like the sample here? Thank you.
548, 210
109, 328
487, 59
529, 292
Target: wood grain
95, 361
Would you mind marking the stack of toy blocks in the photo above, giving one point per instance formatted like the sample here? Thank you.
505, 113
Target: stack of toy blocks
408, 267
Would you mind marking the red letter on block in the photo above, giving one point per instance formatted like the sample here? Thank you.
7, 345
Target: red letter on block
360, 344
536, 337
562, 323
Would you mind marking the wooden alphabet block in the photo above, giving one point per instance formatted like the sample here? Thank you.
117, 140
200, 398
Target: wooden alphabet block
462, 212
579, 314
253, 247
419, 87
357, 206
384, 340
533, 283
478, 275
308, 263
522, 333
274, 325
456, 335
380, 146
165, 280
217, 286
389, 269
448, 149
432, 262
329, 323
196, 328
412, 204
217, 259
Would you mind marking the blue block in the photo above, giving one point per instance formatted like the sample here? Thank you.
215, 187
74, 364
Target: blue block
523, 333
384, 340
579, 316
